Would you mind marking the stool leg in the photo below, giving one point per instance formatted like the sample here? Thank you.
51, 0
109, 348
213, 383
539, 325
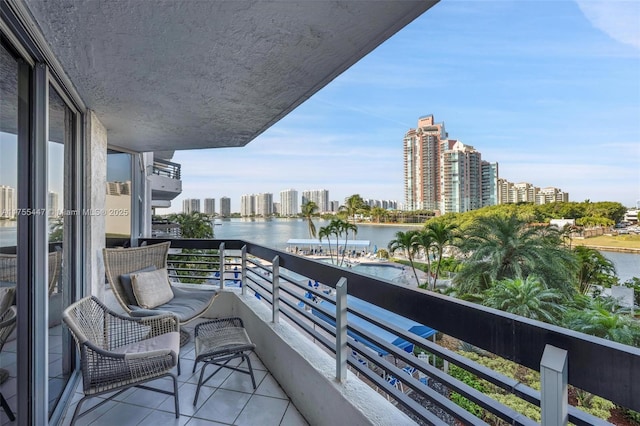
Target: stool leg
195, 399
6, 408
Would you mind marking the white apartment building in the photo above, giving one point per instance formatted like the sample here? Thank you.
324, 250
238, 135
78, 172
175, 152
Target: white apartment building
210, 206
551, 195
190, 205
8, 201
384, 204
264, 204
247, 205
460, 178
53, 208
225, 206
289, 202
525, 192
318, 196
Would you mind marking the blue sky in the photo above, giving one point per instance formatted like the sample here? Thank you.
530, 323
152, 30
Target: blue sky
548, 89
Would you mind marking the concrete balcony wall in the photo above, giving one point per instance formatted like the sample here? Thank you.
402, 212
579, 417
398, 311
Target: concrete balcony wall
164, 187
306, 372
95, 183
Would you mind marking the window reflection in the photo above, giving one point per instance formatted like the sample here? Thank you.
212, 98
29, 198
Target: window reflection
8, 224
118, 200
58, 178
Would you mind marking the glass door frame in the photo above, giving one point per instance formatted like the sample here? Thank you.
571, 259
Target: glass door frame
35, 74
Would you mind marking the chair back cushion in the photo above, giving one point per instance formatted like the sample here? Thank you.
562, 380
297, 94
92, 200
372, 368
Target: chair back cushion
151, 289
127, 286
119, 261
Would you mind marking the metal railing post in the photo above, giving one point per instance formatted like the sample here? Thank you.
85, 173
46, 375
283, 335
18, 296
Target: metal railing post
222, 262
243, 271
341, 330
553, 386
276, 289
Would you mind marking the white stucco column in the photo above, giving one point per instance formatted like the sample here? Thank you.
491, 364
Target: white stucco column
95, 182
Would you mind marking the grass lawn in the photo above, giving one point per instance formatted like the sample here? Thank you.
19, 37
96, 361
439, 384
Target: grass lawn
626, 241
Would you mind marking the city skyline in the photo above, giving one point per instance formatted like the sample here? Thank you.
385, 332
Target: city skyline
556, 108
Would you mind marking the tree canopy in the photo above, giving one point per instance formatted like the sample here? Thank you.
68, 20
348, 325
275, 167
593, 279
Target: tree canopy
497, 247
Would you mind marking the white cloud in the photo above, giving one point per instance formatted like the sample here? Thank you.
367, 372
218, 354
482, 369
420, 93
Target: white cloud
620, 20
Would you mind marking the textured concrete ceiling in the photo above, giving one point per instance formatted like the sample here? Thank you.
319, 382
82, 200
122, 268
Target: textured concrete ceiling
173, 75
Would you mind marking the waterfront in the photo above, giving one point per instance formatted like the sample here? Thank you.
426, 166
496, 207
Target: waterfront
275, 233
627, 264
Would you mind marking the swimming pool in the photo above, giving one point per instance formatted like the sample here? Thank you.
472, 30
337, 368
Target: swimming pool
390, 272
387, 272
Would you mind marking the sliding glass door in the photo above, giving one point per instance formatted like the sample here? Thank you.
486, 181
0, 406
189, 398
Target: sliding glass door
41, 235
8, 221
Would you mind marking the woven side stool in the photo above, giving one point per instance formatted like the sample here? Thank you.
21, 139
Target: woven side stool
218, 342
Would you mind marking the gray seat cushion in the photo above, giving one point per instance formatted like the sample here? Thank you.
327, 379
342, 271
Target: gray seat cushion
186, 304
160, 345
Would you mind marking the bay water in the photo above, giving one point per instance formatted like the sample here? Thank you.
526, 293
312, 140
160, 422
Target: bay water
274, 233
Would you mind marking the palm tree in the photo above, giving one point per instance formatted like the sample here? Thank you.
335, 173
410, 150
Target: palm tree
309, 209
378, 213
337, 227
352, 205
593, 269
603, 318
193, 225
505, 247
424, 241
567, 234
344, 226
327, 232
525, 297
407, 242
442, 235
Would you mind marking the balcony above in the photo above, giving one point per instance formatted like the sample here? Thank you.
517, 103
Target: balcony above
165, 182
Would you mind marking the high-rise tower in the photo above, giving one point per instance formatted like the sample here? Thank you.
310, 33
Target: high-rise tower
288, 202
318, 196
210, 206
460, 177
225, 207
190, 205
422, 152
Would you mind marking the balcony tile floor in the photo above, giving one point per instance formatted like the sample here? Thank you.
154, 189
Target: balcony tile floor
227, 399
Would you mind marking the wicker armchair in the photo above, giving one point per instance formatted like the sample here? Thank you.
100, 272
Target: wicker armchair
9, 269
118, 352
7, 325
187, 304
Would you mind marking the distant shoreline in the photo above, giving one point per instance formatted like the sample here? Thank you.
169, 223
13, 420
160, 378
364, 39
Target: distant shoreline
631, 250
396, 224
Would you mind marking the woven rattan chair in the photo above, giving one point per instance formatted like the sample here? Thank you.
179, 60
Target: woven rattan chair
187, 304
119, 352
7, 325
9, 269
